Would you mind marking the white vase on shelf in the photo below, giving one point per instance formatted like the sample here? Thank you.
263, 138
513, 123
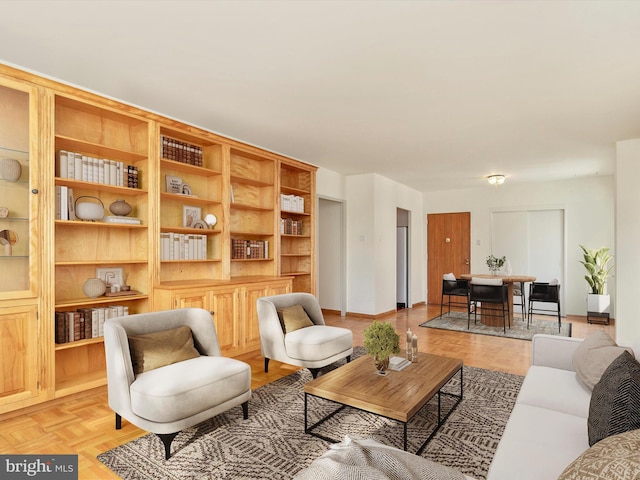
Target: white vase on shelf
94, 287
10, 169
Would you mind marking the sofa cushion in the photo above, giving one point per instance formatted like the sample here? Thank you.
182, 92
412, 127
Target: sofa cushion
593, 356
204, 381
614, 458
157, 349
317, 342
615, 403
555, 389
293, 318
538, 443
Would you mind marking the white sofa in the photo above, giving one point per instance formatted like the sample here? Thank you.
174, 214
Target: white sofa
547, 428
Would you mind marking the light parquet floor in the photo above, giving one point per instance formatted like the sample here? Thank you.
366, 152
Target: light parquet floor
84, 424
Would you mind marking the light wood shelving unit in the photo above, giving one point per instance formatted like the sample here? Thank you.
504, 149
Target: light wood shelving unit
82, 246
238, 183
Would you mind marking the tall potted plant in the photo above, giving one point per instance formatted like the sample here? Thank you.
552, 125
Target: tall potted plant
596, 263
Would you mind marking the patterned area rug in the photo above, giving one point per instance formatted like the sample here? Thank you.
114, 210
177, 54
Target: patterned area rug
458, 321
272, 443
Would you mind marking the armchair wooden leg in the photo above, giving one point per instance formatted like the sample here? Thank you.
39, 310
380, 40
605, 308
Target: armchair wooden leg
245, 410
266, 365
348, 358
118, 422
314, 372
167, 438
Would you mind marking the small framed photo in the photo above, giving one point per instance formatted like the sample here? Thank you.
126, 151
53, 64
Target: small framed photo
174, 184
191, 216
111, 276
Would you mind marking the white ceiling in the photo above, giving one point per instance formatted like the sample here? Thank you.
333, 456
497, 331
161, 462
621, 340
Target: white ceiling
432, 94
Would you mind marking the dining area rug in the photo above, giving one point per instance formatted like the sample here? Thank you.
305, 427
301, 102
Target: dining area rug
457, 321
272, 444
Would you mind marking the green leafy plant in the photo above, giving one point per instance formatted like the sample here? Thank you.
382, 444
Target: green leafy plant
595, 261
495, 263
381, 340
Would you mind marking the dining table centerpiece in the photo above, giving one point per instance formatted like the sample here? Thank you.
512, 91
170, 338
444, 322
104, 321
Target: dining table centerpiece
495, 263
381, 341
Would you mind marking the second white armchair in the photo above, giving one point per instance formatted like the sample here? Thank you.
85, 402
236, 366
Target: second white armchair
292, 331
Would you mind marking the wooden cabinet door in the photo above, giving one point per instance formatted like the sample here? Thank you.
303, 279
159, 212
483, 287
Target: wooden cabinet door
280, 288
191, 299
19, 367
251, 334
225, 307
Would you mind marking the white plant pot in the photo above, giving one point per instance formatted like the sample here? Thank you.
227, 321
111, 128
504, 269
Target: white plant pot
598, 303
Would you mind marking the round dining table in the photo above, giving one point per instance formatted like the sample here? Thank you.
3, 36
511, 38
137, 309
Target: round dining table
509, 280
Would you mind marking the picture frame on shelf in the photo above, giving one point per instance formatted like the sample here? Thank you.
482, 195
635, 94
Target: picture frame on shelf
174, 184
185, 189
111, 275
191, 216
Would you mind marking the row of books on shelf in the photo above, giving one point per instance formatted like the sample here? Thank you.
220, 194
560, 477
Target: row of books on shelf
182, 152
76, 166
85, 323
183, 246
249, 249
292, 203
289, 226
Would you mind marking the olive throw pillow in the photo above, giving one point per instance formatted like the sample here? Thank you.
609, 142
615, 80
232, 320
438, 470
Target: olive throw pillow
615, 402
157, 349
614, 458
593, 356
294, 318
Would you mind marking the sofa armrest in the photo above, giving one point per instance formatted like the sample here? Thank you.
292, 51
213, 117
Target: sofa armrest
554, 351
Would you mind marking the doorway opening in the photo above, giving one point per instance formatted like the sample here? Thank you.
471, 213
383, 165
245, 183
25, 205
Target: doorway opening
402, 259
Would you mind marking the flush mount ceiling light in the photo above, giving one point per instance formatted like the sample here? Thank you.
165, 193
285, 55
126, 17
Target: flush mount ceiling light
496, 179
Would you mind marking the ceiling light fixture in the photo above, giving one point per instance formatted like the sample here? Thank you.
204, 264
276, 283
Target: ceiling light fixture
496, 179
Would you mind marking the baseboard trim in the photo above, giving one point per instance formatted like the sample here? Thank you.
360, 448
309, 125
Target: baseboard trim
371, 317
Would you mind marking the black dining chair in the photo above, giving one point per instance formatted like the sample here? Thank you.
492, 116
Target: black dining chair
495, 294
544, 293
519, 295
454, 288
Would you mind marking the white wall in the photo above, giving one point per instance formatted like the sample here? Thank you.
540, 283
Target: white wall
371, 216
588, 204
627, 227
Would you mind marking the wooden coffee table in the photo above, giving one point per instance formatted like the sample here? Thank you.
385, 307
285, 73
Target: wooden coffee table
398, 395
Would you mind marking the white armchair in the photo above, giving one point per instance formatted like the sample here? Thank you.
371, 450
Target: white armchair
164, 399
312, 347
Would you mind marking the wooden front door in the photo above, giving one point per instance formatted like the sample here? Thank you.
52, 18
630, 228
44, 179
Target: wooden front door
448, 249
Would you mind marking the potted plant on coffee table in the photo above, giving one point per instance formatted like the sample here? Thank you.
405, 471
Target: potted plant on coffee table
596, 263
381, 341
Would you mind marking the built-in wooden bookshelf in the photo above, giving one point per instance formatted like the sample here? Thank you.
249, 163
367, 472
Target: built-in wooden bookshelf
297, 226
240, 185
82, 246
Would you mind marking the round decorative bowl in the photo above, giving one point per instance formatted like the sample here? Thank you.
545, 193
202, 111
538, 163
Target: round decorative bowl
120, 207
94, 287
89, 210
10, 169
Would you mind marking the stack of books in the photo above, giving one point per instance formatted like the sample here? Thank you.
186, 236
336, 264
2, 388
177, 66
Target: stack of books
182, 152
398, 363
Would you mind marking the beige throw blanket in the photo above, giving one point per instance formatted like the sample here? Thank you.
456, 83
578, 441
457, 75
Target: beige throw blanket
368, 459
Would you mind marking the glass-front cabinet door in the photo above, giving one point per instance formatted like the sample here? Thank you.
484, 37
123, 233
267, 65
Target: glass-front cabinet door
17, 199
21, 339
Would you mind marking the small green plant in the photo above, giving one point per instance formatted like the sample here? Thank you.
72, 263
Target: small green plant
495, 263
381, 340
595, 261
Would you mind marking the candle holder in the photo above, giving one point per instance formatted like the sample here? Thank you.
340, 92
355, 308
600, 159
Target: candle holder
414, 349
